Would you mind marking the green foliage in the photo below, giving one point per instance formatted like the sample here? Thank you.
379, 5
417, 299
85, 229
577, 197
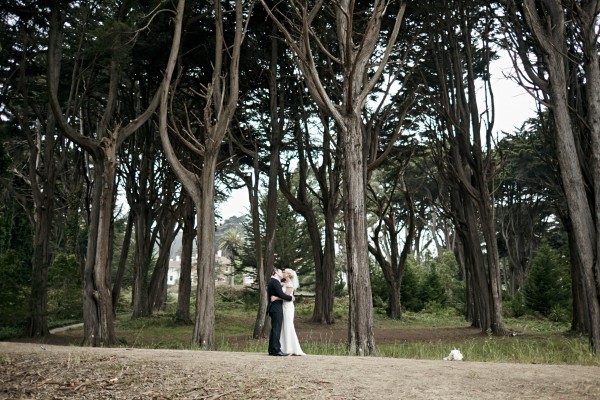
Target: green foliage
431, 284
64, 288
124, 305
5, 158
14, 293
433, 290
410, 297
379, 288
542, 340
547, 290
10, 332
292, 245
15, 235
514, 306
340, 287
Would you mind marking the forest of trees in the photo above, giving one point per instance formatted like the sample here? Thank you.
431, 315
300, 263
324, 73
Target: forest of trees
362, 132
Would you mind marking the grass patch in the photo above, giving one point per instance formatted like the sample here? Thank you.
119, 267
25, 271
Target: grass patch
548, 350
418, 336
158, 332
9, 332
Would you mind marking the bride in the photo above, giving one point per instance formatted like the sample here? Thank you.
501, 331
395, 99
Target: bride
289, 339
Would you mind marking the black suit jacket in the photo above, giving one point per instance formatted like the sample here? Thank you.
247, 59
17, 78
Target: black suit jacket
274, 289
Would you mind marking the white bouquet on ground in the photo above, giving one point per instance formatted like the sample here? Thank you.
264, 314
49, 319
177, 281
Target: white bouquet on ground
455, 355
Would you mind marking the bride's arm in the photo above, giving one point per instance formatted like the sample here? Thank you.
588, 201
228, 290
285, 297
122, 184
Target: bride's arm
289, 290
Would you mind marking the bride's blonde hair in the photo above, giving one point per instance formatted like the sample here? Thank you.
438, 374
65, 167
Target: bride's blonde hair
291, 275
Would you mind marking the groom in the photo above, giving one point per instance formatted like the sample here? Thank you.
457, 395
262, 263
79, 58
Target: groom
275, 310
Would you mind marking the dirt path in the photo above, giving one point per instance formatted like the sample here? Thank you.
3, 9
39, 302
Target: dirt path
33, 371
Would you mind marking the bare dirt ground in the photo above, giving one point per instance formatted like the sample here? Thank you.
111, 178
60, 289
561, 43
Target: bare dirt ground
45, 371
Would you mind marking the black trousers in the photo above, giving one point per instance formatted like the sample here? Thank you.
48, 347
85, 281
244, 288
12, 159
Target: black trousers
276, 323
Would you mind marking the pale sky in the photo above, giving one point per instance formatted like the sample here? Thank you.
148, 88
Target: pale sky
513, 104
236, 205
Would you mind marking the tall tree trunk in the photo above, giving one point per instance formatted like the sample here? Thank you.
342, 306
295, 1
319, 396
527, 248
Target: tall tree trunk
328, 178
359, 79
143, 254
361, 339
545, 25
477, 288
97, 310
141, 193
589, 13
470, 168
577, 202
98, 327
394, 263
157, 296
38, 323
168, 230
493, 267
584, 231
276, 99
579, 321
323, 312
272, 187
323, 252
43, 186
261, 324
204, 327
221, 102
182, 315
116, 289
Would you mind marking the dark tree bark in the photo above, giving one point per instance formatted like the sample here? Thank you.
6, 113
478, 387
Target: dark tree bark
262, 324
97, 298
142, 196
168, 228
116, 289
220, 97
276, 134
328, 178
182, 315
253, 183
43, 190
388, 230
468, 159
544, 28
41, 163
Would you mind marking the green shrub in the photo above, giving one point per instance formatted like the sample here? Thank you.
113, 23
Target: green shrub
547, 289
340, 289
379, 287
433, 290
410, 292
64, 288
11, 332
514, 306
14, 294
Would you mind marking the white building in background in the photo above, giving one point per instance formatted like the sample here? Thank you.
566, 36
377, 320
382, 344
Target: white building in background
223, 268
174, 271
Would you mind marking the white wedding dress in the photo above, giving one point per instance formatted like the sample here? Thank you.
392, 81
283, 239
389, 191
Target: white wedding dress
289, 339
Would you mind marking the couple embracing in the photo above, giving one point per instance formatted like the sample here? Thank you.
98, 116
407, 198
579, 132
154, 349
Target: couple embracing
283, 340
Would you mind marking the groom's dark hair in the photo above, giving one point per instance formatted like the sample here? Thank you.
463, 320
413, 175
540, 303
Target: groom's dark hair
275, 269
